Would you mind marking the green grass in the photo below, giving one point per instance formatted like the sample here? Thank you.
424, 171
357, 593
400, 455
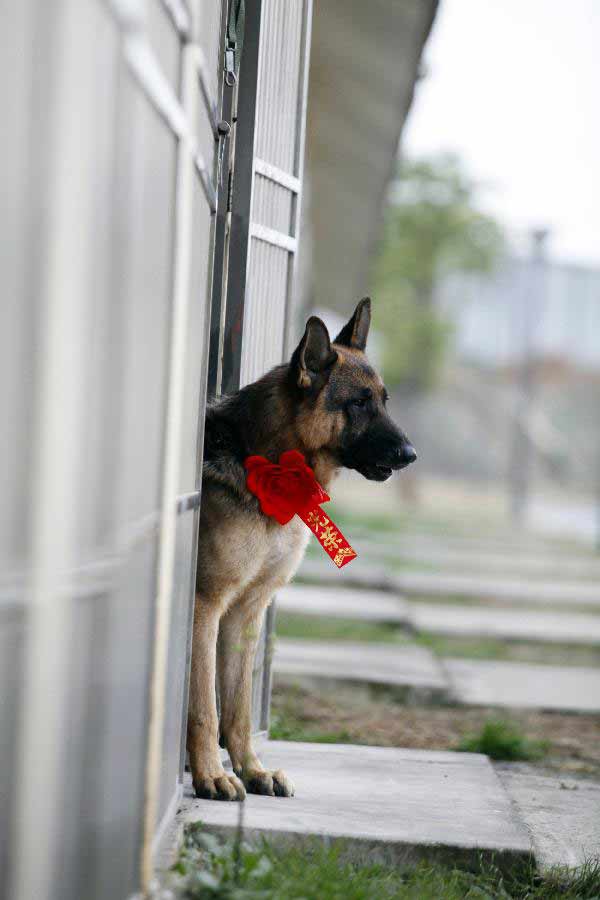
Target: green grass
376, 522
501, 739
516, 651
232, 869
330, 628
492, 603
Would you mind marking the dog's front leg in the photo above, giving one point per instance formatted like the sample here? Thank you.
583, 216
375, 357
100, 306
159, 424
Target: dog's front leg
209, 777
238, 637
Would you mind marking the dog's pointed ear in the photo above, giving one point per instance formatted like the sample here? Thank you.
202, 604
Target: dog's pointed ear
314, 356
355, 332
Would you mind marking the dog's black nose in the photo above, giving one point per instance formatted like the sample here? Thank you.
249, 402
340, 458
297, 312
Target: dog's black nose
409, 454
405, 455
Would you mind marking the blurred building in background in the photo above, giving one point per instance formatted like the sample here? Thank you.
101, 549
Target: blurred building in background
543, 317
487, 317
515, 408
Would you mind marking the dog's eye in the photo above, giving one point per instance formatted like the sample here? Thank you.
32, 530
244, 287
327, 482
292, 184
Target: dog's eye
359, 402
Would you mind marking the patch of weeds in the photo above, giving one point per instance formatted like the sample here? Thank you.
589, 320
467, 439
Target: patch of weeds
285, 727
330, 628
582, 882
211, 868
501, 739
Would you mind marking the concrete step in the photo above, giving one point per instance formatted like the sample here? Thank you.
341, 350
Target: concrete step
362, 573
519, 544
562, 815
344, 602
506, 624
395, 805
497, 563
512, 590
446, 619
413, 669
477, 682
369, 575
425, 679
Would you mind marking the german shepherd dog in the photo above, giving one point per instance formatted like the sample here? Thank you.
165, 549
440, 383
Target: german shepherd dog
329, 404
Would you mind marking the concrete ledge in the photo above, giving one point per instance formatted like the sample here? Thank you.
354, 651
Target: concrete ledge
524, 590
497, 563
360, 573
397, 805
506, 624
479, 682
343, 602
413, 669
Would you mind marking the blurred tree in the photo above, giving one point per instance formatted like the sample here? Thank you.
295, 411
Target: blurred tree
431, 229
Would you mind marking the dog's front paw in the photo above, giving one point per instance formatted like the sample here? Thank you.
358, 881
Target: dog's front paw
273, 784
221, 787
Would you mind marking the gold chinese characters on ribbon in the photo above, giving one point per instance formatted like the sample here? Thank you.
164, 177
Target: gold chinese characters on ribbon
329, 536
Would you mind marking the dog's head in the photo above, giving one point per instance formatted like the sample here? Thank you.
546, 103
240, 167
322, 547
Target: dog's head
342, 400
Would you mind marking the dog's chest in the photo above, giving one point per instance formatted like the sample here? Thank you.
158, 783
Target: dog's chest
281, 552
287, 543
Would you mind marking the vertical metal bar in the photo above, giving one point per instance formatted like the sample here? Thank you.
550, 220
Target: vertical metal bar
224, 259
265, 704
301, 109
217, 298
239, 253
171, 460
222, 235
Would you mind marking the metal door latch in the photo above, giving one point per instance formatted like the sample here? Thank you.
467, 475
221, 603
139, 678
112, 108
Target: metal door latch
230, 76
223, 130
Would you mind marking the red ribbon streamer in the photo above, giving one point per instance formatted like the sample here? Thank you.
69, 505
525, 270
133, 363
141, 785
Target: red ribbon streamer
329, 536
290, 488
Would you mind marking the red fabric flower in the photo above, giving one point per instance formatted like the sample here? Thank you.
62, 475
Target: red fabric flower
286, 488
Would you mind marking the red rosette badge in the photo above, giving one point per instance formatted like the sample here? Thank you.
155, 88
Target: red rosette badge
284, 489
289, 488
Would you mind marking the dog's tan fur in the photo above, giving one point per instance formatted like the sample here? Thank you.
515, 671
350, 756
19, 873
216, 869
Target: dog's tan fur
245, 557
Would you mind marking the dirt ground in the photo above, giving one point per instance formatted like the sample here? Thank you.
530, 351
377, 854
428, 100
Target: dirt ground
364, 717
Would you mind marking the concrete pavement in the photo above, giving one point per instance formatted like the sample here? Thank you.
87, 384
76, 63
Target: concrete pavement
562, 814
397, 805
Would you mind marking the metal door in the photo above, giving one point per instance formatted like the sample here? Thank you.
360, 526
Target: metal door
111, 108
